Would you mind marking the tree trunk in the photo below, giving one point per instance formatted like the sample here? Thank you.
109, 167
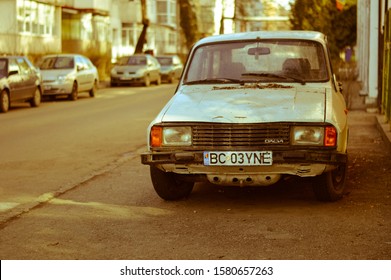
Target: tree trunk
142, 39
188, 22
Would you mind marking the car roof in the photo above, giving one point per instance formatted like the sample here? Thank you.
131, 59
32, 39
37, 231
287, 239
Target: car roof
253, 35
12, 56
63, 55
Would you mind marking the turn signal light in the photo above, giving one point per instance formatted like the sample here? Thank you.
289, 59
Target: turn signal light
330, 138
156, 136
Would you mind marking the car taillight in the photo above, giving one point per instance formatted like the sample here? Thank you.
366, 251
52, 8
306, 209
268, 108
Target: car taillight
156, 136
330, 137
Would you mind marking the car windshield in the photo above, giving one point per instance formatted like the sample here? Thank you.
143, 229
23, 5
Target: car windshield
269, 60
133, 60
165, 61
58, 62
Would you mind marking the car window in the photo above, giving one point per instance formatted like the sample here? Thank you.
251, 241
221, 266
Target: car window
57, 62
88, 62
3, 67
133, 60
268, 59
81, 63
165, 61
23, 66
13, 66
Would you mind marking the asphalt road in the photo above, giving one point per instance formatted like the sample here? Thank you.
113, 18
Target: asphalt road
50, 149
82, 160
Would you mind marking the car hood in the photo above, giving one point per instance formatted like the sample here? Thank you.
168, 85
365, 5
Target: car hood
245, 104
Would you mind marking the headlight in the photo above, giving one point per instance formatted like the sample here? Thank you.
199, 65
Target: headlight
170, 136
63, 78
314, 135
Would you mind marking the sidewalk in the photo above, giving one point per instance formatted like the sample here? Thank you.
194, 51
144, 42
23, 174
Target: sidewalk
356, 102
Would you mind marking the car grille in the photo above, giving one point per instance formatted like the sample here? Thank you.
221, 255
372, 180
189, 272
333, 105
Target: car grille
243, 135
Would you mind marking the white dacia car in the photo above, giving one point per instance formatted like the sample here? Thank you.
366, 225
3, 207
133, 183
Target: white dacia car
250, 109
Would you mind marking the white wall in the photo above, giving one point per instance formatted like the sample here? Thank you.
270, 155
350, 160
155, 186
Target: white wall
368, 48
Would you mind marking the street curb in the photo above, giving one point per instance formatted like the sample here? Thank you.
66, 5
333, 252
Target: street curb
384, 127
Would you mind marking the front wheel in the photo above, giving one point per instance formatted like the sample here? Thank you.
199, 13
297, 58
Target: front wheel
331, 185
36, 100
73, 95
159, 80
147, 81
4, 101
94, 88
168, 186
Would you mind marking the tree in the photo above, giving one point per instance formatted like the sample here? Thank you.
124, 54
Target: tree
188, 22
143, 35
323, 15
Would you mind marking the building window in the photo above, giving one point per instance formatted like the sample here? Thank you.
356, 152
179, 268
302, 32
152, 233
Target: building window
166, 12
35, 18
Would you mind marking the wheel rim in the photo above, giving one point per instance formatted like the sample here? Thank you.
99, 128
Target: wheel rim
5, 102
147, 82
338, 176
37, 97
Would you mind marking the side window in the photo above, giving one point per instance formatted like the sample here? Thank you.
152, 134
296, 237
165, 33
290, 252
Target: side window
23, 66
3, 67
88, 63
13, 66
80, 63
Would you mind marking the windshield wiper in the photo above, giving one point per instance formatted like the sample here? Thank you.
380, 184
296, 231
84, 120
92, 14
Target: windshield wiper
216, 81
273, 75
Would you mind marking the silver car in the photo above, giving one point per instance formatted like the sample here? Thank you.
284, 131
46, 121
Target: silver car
136, 69
68, 74
171, 67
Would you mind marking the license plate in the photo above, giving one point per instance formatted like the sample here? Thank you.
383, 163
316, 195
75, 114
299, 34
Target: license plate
238, 158
47, 87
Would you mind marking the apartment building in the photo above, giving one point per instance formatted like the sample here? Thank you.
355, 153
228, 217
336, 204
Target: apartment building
30, 27
99, 29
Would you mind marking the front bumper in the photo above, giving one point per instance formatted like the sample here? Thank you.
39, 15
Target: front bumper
57, 88
127, 79
291, 162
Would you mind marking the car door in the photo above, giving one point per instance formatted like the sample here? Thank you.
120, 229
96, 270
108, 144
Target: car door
28, 77
15, 81
82, 75
89, 72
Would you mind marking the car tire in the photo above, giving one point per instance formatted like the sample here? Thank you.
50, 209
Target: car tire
147, 81
4, 101
36, 100
331, 185
168, 186
159, 80
94, 89
171, 78
73, 95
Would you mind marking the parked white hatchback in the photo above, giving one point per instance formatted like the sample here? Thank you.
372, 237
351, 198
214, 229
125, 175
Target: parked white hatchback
250, 109
68, 74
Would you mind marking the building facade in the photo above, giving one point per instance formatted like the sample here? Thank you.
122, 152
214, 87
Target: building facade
99, 29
